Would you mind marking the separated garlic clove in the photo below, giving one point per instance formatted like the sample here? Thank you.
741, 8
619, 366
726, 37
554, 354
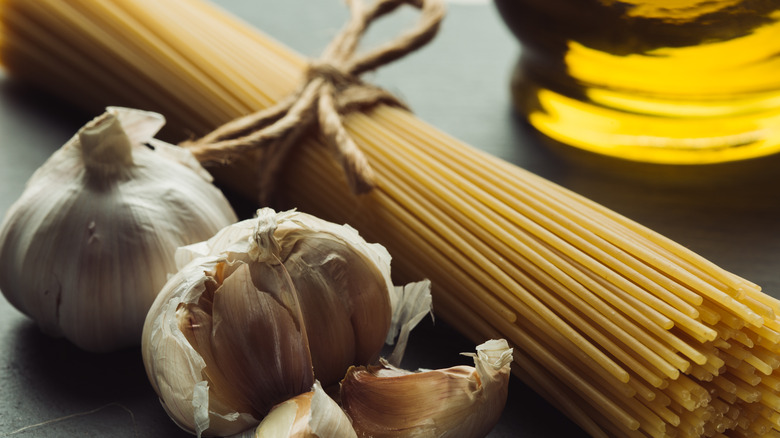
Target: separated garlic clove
461, 401
312, 414
90, 242
233, 332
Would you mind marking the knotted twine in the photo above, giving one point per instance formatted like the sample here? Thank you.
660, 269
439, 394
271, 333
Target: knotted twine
332, 89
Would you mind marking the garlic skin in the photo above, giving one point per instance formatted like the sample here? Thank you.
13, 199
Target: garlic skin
260, 309
462, 401
312, 414
90, 242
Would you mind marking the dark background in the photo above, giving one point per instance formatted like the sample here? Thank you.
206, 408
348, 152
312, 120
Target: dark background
459, 83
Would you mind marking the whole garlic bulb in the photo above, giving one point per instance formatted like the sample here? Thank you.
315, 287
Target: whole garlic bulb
262, 308
90, 242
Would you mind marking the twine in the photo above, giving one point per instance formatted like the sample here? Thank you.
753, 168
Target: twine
331, 90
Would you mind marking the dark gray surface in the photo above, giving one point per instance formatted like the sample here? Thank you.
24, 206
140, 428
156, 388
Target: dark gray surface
459, 83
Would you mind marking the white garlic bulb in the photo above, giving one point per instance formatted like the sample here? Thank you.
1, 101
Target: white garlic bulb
261, 309
458, 402
90, 242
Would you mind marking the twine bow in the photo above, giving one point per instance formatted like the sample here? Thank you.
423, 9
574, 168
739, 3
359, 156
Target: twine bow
332, 89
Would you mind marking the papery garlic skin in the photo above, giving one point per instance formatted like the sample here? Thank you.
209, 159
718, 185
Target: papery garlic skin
309, 415
178, 372
457, 402
90, 242
315, 295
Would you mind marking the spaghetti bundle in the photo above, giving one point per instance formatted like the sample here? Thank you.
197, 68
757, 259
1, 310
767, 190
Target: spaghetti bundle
625, 331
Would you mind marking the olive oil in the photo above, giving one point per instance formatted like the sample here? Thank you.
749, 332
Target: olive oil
660, 81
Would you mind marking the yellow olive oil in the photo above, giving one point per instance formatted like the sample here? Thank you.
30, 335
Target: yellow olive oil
660, 81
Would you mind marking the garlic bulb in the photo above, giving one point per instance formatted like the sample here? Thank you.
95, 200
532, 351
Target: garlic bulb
461, 401
258, 310
312, 414
90, 242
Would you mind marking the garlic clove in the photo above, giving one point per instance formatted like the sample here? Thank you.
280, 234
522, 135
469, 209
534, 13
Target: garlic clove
176, 370
312, 414
462, 401
344, 299
257, 340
